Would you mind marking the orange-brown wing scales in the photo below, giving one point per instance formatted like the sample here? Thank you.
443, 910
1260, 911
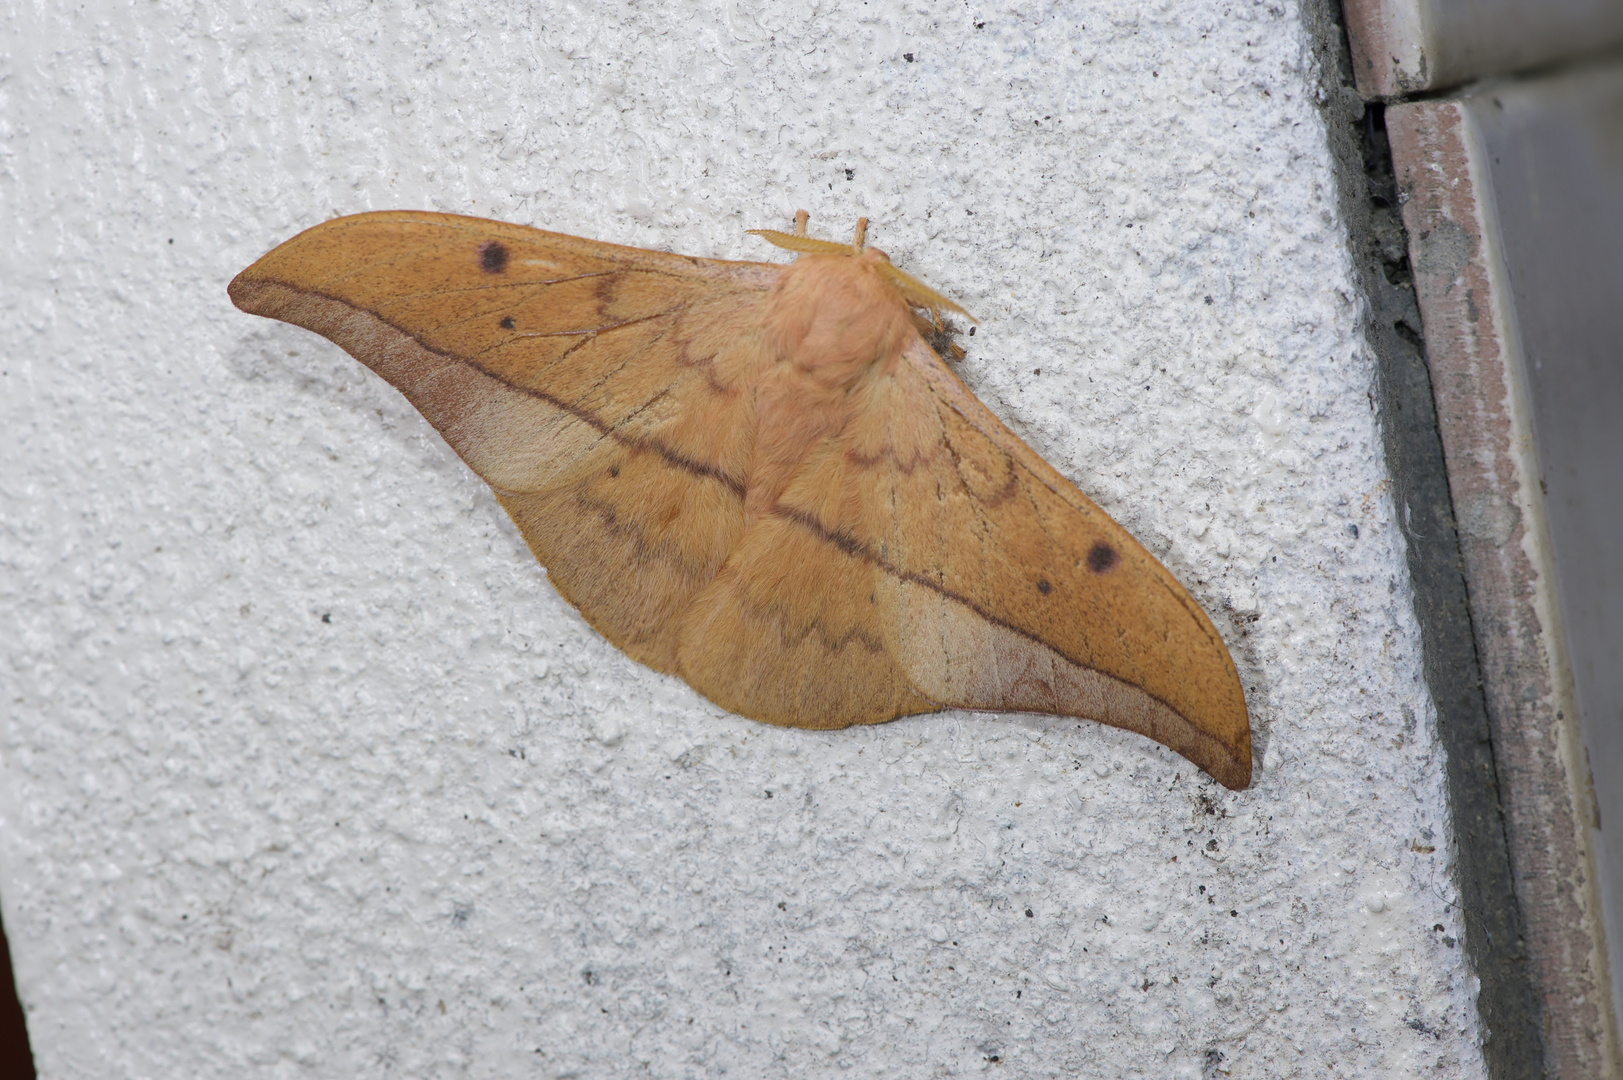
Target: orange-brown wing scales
789, 633
630, 542
600, 391
999, 586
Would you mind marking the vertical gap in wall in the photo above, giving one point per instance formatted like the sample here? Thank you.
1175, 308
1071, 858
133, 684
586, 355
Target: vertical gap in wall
1507, 1001
16, 1057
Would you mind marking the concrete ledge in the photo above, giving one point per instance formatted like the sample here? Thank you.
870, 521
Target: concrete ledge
1404, 47
1449, 156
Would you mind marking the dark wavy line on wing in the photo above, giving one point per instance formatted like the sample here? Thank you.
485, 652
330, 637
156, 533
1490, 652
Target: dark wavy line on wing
669, 454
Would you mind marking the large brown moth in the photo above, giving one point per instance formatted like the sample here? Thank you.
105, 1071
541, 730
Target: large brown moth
761, 478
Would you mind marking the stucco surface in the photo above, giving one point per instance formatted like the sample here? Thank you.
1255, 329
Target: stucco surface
307, 771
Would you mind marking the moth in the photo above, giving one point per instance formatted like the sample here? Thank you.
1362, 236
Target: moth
761, 478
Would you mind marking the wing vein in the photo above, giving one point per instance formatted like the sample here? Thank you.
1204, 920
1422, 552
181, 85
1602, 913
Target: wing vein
669, 454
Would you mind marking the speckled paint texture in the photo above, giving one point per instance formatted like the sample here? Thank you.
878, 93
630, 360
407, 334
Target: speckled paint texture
308, 772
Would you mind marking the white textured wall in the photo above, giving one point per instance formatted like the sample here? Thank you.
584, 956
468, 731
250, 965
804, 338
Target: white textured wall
307, 771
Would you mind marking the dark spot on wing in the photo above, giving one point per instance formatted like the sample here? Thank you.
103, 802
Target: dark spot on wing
492, 257
1102, 557
1043, 586
507, 323
614, 470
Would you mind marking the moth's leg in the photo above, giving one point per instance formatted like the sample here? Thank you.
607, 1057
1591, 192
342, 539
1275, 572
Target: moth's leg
801, 217
862, 233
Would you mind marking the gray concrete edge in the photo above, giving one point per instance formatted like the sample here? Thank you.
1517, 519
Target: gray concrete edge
1507, 1001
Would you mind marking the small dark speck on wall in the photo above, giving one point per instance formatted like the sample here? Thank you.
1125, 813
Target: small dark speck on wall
850, 174
908, 57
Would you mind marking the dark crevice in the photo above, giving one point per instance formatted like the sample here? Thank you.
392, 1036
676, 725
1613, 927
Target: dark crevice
1492, 920
16, 1057
1410, 337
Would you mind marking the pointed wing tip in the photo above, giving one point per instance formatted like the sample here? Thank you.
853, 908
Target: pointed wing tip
1217, 745
253, 294
1212, 732
1231, 770
1221, 742
242, 290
